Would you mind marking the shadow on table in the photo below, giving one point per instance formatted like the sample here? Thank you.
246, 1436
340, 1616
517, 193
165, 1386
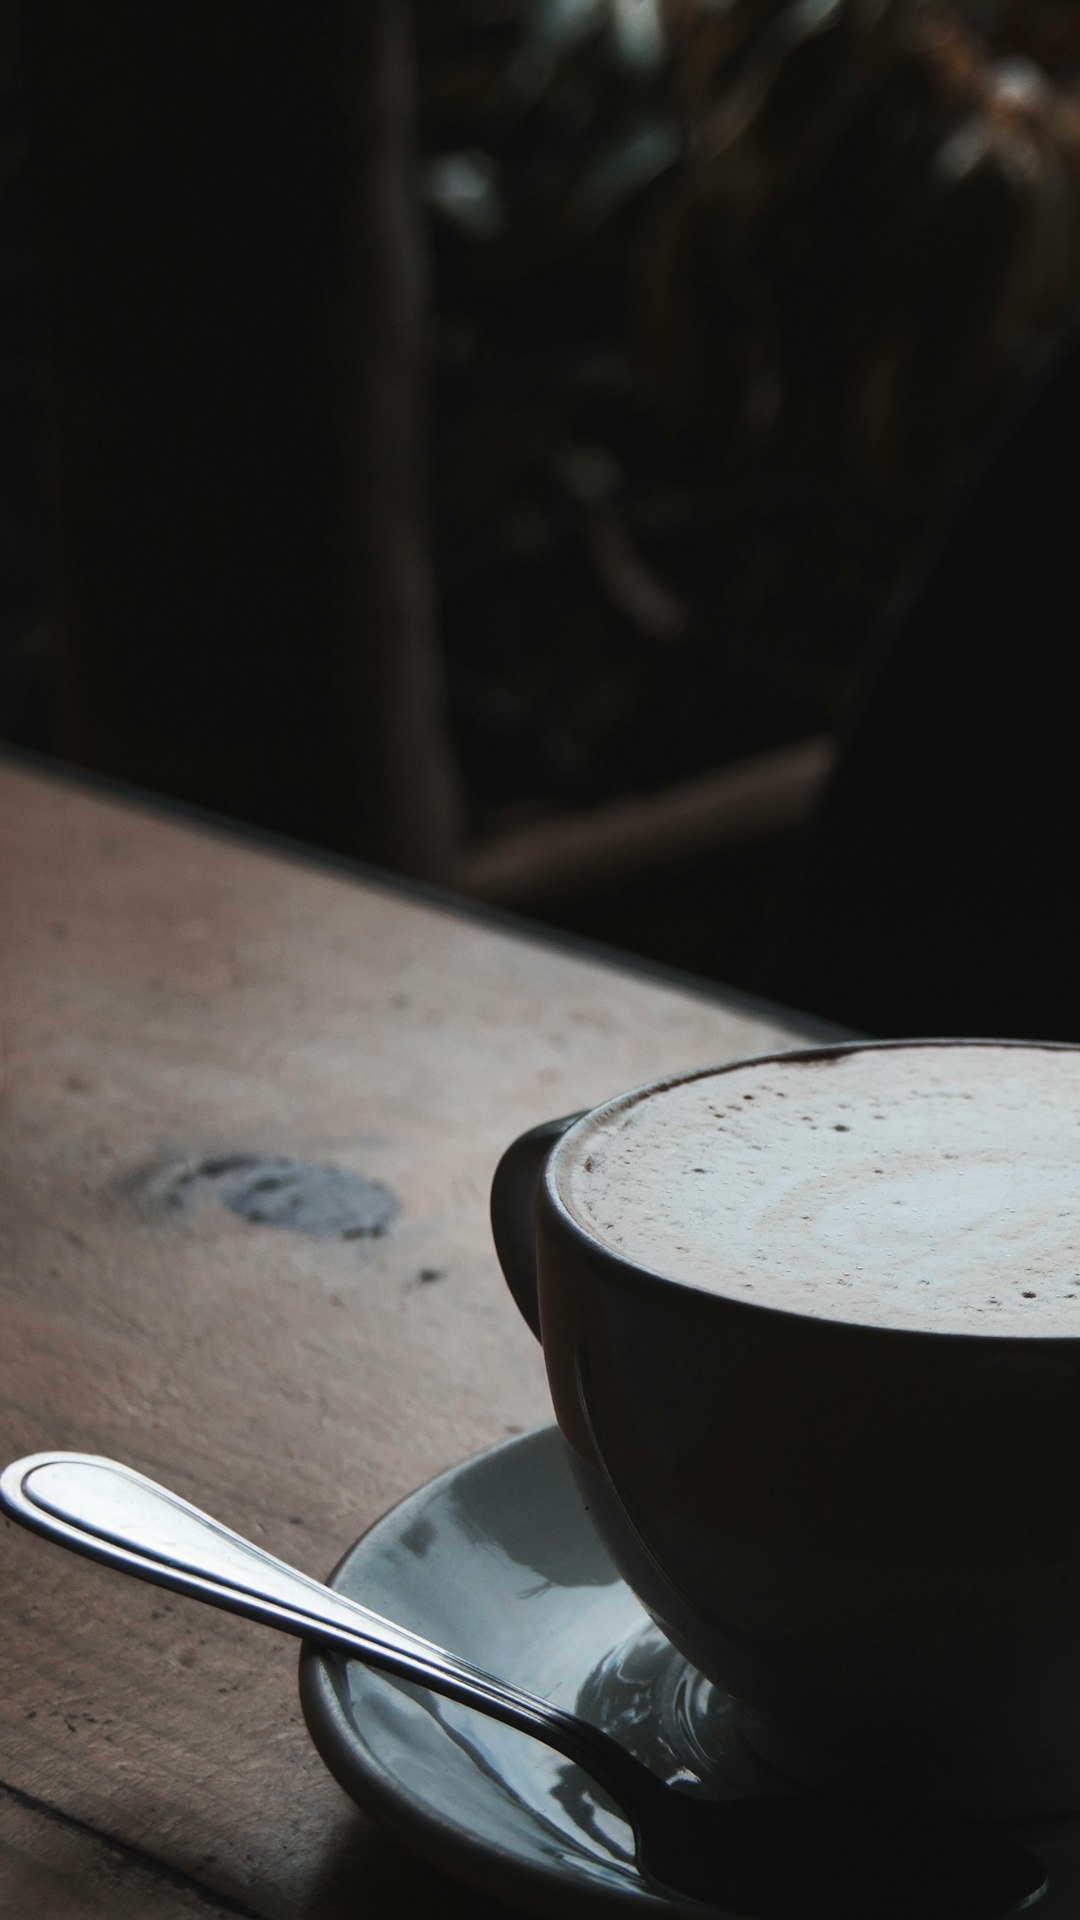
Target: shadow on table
365, 1867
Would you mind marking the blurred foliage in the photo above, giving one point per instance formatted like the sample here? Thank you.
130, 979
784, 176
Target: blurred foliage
724, 295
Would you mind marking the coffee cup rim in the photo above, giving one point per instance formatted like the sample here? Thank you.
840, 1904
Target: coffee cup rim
611, 1259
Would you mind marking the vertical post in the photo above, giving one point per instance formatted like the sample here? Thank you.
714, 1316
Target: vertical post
236, 288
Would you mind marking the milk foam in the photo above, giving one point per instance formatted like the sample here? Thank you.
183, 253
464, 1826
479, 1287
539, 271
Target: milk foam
907, 1187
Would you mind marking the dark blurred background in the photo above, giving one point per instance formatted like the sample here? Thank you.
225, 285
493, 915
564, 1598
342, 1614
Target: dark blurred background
613, 458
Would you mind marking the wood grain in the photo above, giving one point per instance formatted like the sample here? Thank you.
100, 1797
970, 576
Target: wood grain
52, 1867
172, 997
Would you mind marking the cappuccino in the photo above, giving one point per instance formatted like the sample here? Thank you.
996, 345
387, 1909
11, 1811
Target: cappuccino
913, 1186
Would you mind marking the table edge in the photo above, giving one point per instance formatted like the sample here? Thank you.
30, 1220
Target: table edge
406, 886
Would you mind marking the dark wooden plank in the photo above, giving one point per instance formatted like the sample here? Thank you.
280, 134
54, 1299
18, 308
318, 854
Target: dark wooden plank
50, 1866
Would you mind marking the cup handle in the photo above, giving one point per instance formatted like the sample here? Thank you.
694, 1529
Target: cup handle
513, 1211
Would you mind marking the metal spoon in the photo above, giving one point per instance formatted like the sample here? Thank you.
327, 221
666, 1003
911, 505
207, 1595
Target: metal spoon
798, 1858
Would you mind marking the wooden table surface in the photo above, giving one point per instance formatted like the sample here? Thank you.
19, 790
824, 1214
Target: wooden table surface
174, 997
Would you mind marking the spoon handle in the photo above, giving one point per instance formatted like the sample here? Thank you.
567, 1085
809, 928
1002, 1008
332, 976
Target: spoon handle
110, 1513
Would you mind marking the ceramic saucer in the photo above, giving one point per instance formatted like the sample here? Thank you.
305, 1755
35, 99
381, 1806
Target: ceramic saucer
497, 1561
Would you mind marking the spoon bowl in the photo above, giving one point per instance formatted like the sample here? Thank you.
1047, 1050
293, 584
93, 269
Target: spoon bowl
791, 1857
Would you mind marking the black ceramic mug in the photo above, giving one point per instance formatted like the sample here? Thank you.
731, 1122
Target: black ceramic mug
853, 1510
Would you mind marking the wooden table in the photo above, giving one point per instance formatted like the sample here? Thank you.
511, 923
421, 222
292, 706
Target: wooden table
173, 997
